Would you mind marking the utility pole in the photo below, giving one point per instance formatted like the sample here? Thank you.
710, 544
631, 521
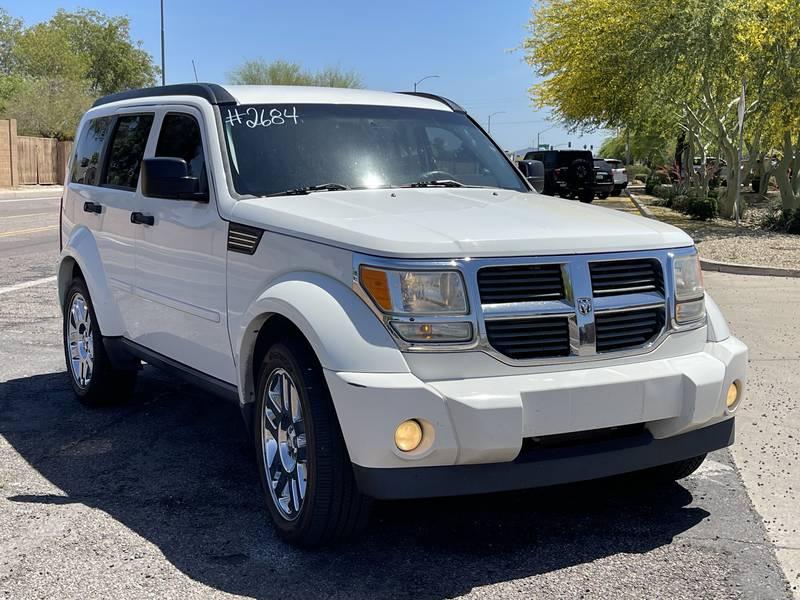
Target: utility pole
500, 112
163, 68
421, 80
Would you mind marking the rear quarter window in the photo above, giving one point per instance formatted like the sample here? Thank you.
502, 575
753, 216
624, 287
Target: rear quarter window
87, 162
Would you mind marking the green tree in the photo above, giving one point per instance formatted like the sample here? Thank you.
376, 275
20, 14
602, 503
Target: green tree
51, 71
10, 29
282, 72
115, 61
679, 67
48, 107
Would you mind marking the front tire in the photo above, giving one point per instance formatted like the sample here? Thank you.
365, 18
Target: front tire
94, 380
305, 471
587, 196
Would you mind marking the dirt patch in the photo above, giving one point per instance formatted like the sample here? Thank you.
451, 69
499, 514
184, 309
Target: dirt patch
721, 240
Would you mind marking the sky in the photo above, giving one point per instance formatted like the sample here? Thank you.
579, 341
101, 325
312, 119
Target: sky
469, 44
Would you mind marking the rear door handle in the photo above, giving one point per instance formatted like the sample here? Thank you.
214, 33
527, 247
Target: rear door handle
142, 219
91, 207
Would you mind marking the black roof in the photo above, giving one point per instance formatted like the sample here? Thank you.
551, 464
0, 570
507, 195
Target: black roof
214, 93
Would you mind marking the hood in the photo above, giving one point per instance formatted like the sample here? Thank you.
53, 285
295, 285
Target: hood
456, 222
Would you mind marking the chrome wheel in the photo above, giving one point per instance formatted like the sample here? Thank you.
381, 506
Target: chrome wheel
284, 444
80, 340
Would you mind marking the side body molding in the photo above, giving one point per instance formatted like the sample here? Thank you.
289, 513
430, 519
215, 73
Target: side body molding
81, 248
342, 330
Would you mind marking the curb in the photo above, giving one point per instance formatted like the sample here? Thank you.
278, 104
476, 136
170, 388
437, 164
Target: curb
53, 191
641, 207
737, 269
725, 267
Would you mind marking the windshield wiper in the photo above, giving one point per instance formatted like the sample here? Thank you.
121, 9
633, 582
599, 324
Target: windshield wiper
323, 187
437, 183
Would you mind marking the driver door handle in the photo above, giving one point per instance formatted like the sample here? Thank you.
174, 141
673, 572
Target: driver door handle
142, 219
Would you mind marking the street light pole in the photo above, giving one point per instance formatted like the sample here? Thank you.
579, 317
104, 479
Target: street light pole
421, 80
499, 112
163, 69
539, 136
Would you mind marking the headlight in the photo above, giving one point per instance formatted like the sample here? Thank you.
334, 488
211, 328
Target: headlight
690, 303
407, 297
415, 292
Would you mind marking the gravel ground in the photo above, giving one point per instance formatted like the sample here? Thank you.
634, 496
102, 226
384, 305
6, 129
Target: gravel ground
719, 239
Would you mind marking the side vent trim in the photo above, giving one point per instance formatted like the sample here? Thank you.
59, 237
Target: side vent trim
243, 239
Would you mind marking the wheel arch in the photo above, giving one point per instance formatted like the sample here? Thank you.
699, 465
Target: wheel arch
343, 333
80, 256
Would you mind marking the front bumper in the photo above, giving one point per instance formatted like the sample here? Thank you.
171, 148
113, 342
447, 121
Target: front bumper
483, 420
542, 467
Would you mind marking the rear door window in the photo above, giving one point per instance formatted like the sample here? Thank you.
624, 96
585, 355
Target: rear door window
127, 150
87, 162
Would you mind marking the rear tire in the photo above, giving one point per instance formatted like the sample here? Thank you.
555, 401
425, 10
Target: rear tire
587, 197
303, 464
94, 379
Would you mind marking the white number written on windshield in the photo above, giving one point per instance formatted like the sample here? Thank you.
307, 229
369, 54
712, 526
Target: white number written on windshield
253, 117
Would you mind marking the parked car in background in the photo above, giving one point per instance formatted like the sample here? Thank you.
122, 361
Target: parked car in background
567, 173
603, 179
620, 175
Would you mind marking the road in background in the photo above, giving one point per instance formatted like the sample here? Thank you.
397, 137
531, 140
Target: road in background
161, 497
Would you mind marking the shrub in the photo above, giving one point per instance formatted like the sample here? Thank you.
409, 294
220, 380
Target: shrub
679, 202
650, 184
637, 172
667, 192
702, 209
784, 220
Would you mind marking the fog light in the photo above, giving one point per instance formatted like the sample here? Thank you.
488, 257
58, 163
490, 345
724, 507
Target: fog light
733, 395
408, 435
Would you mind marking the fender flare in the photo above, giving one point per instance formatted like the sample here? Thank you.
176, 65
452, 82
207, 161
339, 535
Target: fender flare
718, 330
81, 248
343, 332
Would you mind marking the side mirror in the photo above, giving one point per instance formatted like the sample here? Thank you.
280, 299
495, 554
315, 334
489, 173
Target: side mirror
533, 170
169, 178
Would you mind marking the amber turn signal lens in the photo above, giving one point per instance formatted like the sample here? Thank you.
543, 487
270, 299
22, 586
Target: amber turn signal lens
377, 285
408, 435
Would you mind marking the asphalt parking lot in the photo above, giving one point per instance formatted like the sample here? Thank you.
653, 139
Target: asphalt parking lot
161, 497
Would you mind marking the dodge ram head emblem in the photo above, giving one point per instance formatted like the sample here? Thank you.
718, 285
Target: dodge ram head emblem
584, 305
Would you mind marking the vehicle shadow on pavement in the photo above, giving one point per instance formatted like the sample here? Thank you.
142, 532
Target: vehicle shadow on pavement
176, 467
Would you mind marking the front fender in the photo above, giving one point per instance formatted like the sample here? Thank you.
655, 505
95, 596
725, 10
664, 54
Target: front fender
81, 249
344, 333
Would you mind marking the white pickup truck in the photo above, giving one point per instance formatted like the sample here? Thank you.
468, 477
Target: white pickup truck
394, 309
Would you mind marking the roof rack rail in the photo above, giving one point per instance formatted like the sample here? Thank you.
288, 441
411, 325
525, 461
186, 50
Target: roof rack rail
449, 103
214, 93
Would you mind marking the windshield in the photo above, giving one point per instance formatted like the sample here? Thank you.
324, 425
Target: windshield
278, 148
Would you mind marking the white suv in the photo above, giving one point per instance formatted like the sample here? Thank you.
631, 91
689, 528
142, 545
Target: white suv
396, 312
620, 175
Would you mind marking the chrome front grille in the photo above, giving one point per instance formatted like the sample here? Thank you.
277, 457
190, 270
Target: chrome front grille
554, 309
520, 283
530, 338
628, 328
576, 306
616, 277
